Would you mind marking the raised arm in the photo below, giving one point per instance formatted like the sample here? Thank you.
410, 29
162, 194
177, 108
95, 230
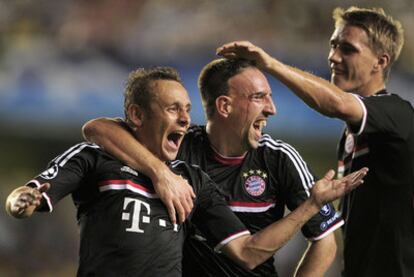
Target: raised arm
250, 251
174, 191
316, 92
23, 201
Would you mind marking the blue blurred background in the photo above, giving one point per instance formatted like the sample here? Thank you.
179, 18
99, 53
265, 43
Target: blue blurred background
65, 62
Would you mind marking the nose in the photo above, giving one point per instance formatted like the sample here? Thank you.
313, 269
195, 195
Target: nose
184, 118
334, 55
270, 108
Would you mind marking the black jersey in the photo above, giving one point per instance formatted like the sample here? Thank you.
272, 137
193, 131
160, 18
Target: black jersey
124, 227
379, 230
257, 188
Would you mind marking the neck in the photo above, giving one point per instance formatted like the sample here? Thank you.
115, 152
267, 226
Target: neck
147, 144
219, 135
376, 85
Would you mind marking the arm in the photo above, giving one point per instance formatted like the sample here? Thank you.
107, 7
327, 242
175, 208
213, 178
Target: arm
316, 92
250, 251
317, 258
174, 191
23, 201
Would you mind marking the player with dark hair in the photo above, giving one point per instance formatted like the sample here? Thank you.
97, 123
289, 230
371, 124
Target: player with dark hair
379, 133
124, 226
259, 175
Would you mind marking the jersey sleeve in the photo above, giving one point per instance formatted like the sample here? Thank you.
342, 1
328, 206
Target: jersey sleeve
64, 174
297, 180
214, 218
388, 114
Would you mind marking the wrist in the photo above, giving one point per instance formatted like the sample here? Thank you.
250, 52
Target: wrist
157, 170
312, 205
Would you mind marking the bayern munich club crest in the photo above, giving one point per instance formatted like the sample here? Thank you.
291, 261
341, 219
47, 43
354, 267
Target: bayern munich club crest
255, 183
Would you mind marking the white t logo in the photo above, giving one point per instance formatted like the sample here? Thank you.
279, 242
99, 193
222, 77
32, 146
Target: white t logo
136, 214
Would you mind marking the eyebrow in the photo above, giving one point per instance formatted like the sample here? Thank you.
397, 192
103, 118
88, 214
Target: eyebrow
260, 93
178, 104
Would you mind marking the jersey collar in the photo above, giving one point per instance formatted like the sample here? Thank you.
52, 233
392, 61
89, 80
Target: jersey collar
226, 160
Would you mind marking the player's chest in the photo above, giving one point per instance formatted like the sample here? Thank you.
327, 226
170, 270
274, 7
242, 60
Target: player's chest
249, 184
129, 197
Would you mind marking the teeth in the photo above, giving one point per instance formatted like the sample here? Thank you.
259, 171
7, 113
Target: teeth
260, 124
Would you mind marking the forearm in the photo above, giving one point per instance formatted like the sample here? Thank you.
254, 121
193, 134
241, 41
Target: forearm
316, 92
259, 247
116, 140
317, 258
174, 191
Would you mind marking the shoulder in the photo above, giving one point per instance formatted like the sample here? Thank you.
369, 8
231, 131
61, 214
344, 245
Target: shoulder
388, 99
388, 107
267, 143
195, 131
195, 137
193, 173
82, 148
276, 149
184, 168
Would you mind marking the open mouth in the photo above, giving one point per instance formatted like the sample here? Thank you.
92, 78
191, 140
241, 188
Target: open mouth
174, 138
259, 125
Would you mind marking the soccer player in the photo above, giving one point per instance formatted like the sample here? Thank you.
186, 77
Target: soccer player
259, 175
379, 133
124, 226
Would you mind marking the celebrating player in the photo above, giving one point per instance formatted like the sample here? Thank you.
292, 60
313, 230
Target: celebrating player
259, 175
125, 229
379, 231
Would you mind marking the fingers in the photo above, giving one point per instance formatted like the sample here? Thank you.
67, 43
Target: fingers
171, 212
356, 177
23, 201
44, 187
192, 194
26, 199
180, 211
353, 180
177, 195
228, 49
329, 175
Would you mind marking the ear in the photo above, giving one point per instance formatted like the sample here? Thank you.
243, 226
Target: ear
223, 105
382, 62
136, 115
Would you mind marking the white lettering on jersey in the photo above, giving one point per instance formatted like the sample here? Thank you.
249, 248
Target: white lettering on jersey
138, 206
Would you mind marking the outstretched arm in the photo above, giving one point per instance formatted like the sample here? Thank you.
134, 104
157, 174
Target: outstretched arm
250, 251
174, 191
316, 92
317, 258
23, 201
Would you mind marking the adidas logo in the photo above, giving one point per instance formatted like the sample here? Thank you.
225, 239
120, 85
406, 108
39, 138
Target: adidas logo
129, 170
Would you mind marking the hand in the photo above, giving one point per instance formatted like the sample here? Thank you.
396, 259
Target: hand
24, 200
175, 192
245, 50
327, 190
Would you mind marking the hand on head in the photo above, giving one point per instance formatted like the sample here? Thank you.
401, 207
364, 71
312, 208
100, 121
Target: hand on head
245, 50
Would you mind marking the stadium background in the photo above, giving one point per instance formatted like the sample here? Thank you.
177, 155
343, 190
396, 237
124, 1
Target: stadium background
65, 62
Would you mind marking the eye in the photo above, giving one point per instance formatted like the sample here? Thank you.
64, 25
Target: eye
173, 109
347, 49
258, 96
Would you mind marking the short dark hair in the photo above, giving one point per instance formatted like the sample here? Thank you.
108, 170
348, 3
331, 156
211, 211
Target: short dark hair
138, 85
385, 34
213, 80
